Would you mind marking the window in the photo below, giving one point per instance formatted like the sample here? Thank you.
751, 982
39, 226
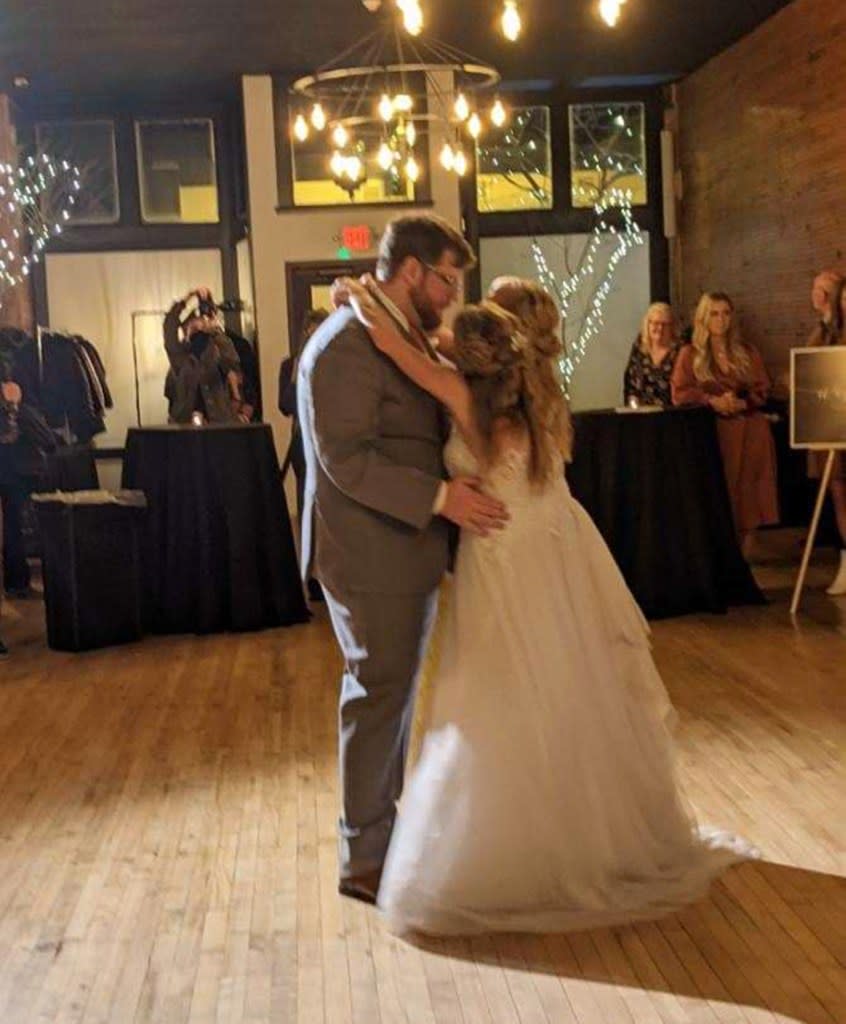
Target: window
514, 163
90, 147
316, 185
607, 151
176, 171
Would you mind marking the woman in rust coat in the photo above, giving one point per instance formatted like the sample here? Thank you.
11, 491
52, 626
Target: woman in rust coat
720, 370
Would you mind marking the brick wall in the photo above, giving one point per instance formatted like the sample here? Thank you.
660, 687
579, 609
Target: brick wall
15, 303
762, 153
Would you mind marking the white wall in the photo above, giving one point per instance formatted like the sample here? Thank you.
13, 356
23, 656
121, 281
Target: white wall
298, 236
244, 258
95, 294
598, 380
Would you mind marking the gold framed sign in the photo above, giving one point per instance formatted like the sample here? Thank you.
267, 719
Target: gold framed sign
818, 397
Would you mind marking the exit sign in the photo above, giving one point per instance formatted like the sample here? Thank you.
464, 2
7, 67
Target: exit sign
357, 237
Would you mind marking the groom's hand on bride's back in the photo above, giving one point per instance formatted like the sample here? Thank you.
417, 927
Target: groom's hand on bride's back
467, 506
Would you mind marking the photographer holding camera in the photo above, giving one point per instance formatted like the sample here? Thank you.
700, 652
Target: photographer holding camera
205, 377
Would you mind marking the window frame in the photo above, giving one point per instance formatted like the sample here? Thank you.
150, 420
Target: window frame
137, 123
88, 221
513, 108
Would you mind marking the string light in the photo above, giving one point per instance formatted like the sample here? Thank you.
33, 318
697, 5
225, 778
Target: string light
459, 163
498, 115
462, 107
340, 136
38, 195
511, 23
474, 125
586, 272
447, 157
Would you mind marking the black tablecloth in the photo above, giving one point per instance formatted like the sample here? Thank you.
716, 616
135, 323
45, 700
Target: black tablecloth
70, 469
654, 485
218, 549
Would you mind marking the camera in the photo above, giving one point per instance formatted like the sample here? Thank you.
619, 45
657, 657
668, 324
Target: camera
210, 308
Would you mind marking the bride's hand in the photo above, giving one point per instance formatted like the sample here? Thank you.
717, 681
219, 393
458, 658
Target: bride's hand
346, 291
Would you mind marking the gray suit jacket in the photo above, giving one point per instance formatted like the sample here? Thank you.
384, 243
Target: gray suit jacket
373, 444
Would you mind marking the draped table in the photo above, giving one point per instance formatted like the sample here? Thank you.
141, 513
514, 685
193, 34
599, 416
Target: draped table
218, 552
653, 483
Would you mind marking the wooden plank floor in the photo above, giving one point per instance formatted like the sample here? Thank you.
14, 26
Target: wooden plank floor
167, 843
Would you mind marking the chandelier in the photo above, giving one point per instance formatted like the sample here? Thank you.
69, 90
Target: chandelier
377, 104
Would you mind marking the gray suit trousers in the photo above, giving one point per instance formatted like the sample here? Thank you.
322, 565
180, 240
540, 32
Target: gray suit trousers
383, 638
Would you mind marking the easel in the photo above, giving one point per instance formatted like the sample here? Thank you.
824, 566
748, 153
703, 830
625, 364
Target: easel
805, 433
812, 532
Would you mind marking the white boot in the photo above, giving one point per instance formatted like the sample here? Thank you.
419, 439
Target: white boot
838, 587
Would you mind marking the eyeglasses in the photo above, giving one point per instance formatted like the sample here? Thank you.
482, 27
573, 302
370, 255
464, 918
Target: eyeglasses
450, 282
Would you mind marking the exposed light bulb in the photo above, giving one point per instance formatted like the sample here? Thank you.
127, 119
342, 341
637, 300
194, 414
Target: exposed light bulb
498, 115
459, 164
340, 136
474, 125
412, 169
318, 117
410, 133
403, 102
412, 16
353, 167
300, 128
511, 23
337, 164
462, 107
386, 107
385, 157
609, 11
447, 157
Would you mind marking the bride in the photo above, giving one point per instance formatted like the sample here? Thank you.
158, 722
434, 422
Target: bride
545, 797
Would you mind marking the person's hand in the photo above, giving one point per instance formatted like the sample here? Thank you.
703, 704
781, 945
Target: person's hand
339, 292
468, 507
727, 404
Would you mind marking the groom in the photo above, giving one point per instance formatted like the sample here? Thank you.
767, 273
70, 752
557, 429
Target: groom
374, 528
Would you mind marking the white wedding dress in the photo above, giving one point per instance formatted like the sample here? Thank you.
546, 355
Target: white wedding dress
545, 797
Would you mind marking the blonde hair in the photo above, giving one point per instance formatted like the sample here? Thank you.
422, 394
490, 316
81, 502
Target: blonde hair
736, 350
506, 348
656, 307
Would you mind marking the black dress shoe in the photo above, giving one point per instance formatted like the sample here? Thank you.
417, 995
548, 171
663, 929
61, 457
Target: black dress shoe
363, 887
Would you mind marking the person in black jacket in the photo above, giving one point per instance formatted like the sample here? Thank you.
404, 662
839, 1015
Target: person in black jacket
15, 574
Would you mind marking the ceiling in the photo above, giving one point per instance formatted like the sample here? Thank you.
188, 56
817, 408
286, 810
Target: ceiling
131, 48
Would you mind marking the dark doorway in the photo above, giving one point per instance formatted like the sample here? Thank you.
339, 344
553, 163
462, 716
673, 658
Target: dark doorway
308, 288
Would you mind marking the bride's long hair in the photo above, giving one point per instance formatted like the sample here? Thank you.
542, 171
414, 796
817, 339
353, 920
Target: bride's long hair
506, 347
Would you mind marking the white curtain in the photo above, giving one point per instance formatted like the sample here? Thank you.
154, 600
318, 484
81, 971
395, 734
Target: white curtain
96, 295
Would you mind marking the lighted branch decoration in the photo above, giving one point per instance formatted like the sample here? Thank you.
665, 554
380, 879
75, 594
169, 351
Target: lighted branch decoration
36, 199
583, 292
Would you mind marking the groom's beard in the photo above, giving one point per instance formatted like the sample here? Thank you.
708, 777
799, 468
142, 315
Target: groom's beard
430, 318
